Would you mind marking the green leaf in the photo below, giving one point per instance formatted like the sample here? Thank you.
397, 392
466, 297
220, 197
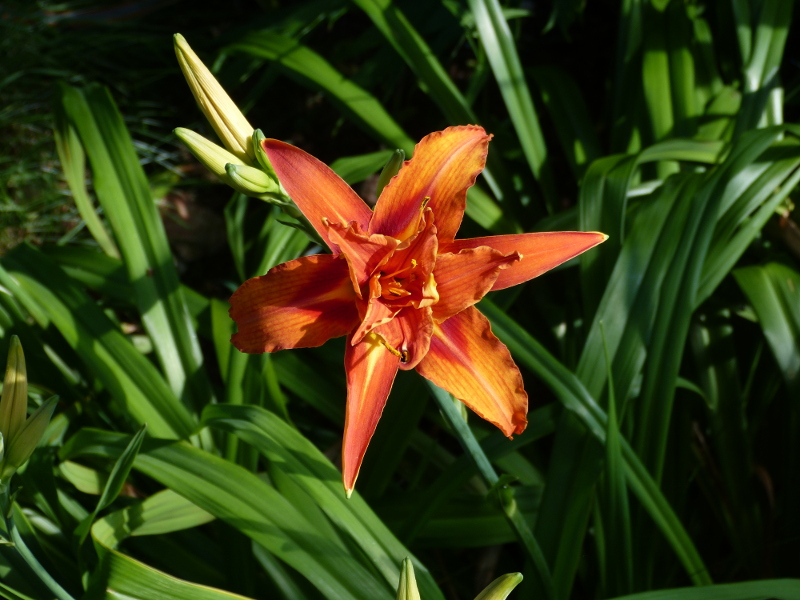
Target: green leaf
123, 191
502, 54
310, 68
297, 457
774, 291
258, 510
785, 589
116, 479
73, 163
132, 380
574, 396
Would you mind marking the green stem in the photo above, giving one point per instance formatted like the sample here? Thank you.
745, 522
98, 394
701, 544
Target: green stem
33, 563
514, 516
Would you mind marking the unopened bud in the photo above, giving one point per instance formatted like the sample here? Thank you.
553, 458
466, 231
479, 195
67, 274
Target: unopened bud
501, 587
407, 587
391, 169
14, 400
207, 152
253, 182
261, 155
224, 116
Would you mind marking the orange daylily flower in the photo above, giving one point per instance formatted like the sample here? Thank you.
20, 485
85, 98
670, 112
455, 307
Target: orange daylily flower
398, 284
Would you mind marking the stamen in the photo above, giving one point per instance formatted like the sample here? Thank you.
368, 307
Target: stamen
425, 202
398, 291
390, 348
413, 265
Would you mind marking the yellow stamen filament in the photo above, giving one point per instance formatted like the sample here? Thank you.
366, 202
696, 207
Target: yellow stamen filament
413, 265
402, 355
398, 291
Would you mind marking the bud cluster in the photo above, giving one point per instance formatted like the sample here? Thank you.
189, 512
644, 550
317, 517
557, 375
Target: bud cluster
242, 163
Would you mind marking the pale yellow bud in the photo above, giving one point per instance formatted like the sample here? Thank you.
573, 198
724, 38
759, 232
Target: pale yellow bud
207, 152
224, 116
407, 588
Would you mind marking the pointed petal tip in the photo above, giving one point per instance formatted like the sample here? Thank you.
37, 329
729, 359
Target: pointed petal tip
348, 492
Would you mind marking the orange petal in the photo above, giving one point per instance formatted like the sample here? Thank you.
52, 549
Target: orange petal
463, 279
377, 313
410, 334
364, 253
445, 164
318, 192
299, 304
540, 251
467, 360
370, 373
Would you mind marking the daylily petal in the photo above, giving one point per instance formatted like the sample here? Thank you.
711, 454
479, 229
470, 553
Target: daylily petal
463, 279
409, 333
364, 253
298, 304
467, 360
371, 369
377, 313
318, 192
540, 251
445, 164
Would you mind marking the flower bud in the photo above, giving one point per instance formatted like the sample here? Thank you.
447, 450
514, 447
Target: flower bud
224, 116
14, 400
207, 152
18, 436
391, 169
261, 155
407, 588
501, 587
255, 181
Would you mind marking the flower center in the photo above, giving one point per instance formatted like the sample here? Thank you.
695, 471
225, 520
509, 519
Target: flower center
394, 285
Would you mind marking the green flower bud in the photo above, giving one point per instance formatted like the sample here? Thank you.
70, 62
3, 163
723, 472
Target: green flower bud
391, 169
261, 155
14, 400
501, 587
255, 181
19, 436
227, 120
207, 152
407, 588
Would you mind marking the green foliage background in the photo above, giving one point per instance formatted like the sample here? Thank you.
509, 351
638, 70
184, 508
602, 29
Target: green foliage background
663, 367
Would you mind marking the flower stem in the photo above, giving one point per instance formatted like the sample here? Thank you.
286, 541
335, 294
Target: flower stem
515, 518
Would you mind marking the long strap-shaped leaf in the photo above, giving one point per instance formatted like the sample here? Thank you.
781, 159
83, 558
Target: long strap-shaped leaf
571, 392
123, 191
298, 458
308, 67
502, 53
785, 589
52, 297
